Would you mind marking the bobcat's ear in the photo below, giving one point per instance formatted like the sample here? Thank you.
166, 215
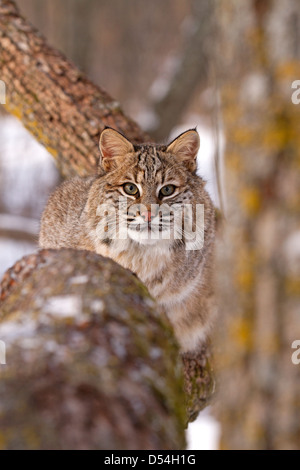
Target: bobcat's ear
185, 148
113, 145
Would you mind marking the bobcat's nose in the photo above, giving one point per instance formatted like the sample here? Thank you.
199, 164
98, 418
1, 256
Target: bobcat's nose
146, 214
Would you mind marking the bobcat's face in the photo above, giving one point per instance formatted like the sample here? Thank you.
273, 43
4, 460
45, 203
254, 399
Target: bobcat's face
153, 191
149, 186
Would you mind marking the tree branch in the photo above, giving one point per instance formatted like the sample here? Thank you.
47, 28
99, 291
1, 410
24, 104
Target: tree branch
90, 365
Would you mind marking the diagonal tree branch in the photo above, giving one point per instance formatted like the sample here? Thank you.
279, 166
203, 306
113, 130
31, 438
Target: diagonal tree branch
60, 106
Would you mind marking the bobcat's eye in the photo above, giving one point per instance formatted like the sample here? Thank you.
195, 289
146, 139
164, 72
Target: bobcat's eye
167, 190
131, 189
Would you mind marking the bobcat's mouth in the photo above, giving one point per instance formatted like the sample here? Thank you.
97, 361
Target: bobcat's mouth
147, 226
148, 233
158, 223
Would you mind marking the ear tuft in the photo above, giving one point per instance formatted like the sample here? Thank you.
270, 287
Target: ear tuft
113, 145
185, 147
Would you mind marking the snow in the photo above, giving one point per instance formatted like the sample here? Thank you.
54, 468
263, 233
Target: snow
64, 306
161, 84
19, 224
206, 154
11, 251
27, 171
11, 330
27, 175
79, 279
204, 433
97, 306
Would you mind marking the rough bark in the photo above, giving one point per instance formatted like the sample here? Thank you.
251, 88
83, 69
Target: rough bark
90, 365
59, 105
259, 262
199, 380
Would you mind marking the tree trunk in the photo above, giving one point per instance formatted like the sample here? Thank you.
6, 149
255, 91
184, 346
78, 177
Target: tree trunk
61, 108
259, 259
90, 365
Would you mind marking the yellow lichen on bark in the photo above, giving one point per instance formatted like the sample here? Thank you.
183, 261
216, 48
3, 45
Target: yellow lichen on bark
259, 265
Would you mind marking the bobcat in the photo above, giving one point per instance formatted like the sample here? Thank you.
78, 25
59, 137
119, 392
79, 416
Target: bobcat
148, 186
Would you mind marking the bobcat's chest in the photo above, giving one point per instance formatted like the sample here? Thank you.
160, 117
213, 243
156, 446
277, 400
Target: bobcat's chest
149, 263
